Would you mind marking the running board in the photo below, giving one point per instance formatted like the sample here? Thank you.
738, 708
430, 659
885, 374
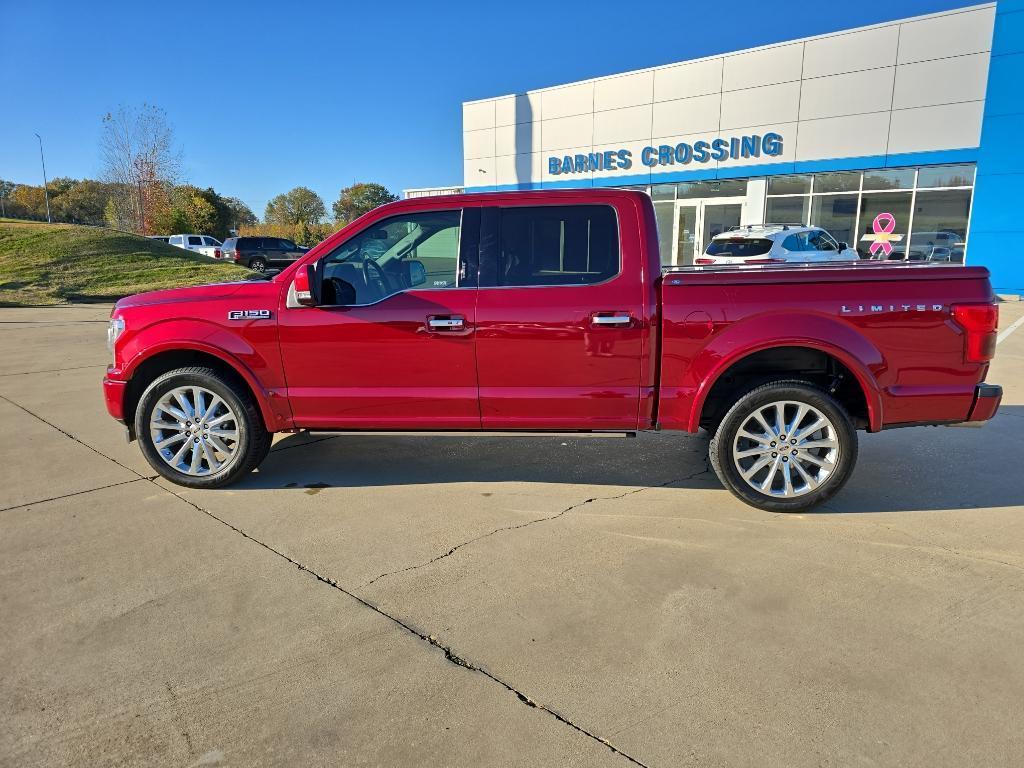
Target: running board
464, 433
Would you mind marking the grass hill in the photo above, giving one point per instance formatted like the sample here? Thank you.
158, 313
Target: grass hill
60, 263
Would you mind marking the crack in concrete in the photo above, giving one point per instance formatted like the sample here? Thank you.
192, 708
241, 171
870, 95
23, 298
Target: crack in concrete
516, 527
55, 370
76, 493
449, 654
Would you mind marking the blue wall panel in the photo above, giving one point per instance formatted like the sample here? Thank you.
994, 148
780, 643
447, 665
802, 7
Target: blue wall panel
999, 186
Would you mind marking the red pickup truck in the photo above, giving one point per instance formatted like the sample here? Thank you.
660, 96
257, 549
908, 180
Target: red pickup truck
550, 311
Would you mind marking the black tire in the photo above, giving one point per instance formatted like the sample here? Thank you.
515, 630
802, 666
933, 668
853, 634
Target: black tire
253, 439
725, 464
258, 264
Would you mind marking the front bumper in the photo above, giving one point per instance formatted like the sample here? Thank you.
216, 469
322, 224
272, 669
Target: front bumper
113, 396
986, 402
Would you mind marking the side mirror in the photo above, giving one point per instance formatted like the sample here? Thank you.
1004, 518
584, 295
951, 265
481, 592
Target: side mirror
415, 272
305, 280
843, 246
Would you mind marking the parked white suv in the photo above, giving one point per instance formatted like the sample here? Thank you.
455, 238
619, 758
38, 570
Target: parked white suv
775, 244
204, 244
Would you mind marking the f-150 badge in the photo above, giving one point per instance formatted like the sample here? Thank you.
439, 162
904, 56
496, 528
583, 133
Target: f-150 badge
249, 314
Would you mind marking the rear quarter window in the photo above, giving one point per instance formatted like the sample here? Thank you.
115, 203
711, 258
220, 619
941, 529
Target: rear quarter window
739, 247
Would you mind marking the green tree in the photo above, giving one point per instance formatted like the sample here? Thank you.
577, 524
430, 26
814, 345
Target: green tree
241, 214
298, 206
83, 202
356, 200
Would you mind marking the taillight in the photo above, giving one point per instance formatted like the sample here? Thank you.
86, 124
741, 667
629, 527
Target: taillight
703, 261
216, 253
237, 256
979, 322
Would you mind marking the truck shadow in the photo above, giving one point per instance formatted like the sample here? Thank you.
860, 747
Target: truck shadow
925, 468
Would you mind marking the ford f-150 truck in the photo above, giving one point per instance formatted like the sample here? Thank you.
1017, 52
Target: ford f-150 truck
550, 312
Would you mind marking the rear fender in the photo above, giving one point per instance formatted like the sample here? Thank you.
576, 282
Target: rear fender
789, 329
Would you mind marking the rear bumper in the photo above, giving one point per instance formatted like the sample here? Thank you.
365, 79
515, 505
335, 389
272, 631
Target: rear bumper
986, 402
113, 396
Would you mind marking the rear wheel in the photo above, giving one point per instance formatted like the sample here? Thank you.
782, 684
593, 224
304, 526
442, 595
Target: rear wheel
200, 429
784, 447
258, 264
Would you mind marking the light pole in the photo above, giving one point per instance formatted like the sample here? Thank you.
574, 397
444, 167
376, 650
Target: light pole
46, 191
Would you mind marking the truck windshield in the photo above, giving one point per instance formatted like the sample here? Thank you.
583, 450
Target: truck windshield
738, 247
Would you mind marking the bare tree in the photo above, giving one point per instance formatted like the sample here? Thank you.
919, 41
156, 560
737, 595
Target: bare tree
140, 158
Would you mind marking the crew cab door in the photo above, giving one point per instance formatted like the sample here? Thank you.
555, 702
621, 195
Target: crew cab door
561, 320
391, 344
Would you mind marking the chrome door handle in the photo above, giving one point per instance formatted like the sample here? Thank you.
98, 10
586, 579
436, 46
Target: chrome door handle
448, 322
611, 319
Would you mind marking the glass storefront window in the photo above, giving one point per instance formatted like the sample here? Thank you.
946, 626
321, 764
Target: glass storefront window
897, 204
789, 185
664, 214
840, 181
946, 176
837, 215
687, 190
893, 178
663, 192
786, 210
940, 225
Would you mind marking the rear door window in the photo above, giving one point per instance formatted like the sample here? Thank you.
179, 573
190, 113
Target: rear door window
739, 247
557, 245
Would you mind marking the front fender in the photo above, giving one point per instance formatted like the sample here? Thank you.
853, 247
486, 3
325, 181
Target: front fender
252, 361
785, 329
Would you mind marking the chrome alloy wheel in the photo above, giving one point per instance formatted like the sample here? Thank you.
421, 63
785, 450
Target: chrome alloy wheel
194, 431
786, 449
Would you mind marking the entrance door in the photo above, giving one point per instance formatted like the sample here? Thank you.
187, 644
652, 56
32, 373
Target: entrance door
697, 221
391, 345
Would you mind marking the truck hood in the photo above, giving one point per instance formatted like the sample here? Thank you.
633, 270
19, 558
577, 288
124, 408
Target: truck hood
192, 293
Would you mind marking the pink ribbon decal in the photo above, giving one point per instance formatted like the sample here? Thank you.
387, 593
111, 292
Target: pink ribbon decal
884, 223
882, 240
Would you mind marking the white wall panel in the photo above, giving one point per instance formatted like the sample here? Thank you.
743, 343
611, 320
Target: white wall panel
478, 172
867, 91
851, 52
694, 115
567, 101
624, 91
950, 126
943, 81
685, 80
778, 64
786, 130
478, 143
478, 114
622, 124
516, 139
522, 108
849, 136
577, 131
942, 36
758, 106
519, 169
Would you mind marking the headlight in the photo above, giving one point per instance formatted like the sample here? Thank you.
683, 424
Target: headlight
115, 329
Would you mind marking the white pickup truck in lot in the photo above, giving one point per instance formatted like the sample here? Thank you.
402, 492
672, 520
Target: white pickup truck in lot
204, 244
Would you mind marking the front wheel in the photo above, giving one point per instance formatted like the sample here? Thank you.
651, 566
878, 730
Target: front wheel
200, 428
258, 264
784, 447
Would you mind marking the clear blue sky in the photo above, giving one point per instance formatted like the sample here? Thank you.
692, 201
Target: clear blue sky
267, 96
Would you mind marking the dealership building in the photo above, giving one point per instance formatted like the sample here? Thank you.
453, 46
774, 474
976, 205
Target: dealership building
917, 118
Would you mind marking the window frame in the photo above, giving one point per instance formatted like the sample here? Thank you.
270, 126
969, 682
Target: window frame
490, 244
460, 259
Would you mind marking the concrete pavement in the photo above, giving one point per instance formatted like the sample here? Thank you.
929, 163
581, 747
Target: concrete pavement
518, 601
